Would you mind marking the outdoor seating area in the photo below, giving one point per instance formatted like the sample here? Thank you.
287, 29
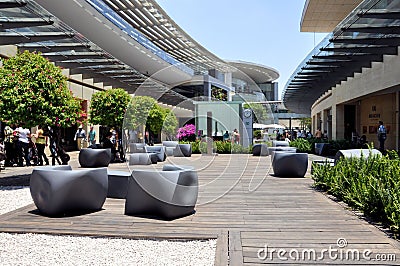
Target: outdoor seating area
176, 201
142, 154
167, 193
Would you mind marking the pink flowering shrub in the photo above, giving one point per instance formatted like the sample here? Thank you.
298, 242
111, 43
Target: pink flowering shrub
187, 133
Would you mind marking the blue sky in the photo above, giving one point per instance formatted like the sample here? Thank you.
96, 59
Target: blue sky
266, 32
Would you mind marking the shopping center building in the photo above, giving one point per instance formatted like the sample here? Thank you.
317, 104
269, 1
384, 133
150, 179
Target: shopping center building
351, 80
130, 44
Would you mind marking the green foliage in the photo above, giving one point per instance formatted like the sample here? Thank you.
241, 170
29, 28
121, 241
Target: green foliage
302, 145
371, 185
155, 119
222, 147
34, 91
257, 133
333, 147
218, 94
170, 124
305, 122
108, 107
259, 111
138, 111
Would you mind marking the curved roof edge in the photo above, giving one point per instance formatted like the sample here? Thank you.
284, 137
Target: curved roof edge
259, 73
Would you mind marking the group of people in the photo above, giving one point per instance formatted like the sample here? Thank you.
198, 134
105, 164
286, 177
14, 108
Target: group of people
234, 137
291, 135
80, 137
21, 146
114, 142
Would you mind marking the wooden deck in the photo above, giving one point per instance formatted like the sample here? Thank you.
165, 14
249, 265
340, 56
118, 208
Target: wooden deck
243, 206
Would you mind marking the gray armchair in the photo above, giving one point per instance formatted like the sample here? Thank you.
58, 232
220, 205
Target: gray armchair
260, 149
168, 194
183, 150
60, 190
94, 157
170, 145
159, 150
290, 164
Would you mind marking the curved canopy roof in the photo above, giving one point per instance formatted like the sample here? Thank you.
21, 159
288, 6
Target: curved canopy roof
324, 16
369, 32
122, 43
258, 73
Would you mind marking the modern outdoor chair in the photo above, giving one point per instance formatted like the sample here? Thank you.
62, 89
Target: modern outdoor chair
143, 158
260, 149
183, 150
287, 164
167, 194
281, 148
94, 157
280, 143
170, 145
60, 190
159, 150
137, 148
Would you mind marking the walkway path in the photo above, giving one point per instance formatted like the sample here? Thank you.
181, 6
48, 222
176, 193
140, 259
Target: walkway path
257, 218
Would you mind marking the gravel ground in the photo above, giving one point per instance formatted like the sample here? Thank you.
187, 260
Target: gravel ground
40, 249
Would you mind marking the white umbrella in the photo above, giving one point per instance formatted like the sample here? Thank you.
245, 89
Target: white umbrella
277, 126
261, 126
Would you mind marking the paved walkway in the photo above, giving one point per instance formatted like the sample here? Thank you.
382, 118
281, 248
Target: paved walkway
257, 218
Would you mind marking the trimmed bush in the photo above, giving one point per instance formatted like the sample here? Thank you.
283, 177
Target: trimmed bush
370, 185
222, 147
302, 145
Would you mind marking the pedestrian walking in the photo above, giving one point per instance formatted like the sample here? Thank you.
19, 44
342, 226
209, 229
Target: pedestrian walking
41, 143
382, 135
80, 137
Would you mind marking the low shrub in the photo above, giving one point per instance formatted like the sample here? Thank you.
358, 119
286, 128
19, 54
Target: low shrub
222, 147
302, 145
370, 185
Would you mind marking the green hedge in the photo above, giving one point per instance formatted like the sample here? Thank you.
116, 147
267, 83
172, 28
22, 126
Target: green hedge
302, 145
308, 145
370, 185
223, 147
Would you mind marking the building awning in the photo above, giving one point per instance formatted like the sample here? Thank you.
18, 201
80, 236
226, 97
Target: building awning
369, 32
31, 27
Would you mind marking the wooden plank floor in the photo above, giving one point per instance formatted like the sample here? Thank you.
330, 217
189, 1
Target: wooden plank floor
247, 209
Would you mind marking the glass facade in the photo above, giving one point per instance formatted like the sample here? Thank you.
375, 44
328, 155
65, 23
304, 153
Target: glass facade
118, 21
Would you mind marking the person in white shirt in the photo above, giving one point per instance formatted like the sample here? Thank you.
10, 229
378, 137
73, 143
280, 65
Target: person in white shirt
80, 137
23, 146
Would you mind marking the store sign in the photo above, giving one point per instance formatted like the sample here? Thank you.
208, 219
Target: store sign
372, 116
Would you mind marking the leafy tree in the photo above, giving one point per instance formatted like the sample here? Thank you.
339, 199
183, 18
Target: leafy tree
170, 124
156, 118
108, 107
259, 111
34, 91
138, 112
305, 122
